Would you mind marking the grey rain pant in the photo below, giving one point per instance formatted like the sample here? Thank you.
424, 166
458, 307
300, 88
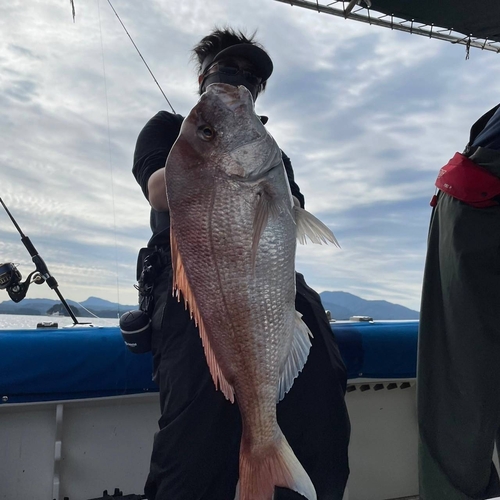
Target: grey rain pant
459, 353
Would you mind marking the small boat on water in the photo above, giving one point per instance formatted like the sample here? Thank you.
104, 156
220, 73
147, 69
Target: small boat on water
78, 412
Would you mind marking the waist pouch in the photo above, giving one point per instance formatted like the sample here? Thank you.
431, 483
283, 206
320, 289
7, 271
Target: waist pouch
468, 182
150, 264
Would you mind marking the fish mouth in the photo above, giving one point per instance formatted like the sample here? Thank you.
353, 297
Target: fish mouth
259, 155
232, 97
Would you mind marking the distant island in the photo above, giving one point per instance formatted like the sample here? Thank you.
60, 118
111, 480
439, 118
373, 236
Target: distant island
89, 308
342, 305
60, 310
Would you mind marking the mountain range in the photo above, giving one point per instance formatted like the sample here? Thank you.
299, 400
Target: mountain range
342, 305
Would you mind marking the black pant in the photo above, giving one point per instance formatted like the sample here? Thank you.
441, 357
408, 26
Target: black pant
196, 452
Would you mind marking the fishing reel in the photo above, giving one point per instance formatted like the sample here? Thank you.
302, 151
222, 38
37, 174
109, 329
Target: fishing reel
10, 280
10, 277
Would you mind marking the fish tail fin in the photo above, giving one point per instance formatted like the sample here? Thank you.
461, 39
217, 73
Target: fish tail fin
278, 466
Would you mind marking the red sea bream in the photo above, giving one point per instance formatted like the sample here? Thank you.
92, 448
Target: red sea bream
234, 227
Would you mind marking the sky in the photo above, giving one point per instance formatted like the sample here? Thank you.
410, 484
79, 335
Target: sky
367, 115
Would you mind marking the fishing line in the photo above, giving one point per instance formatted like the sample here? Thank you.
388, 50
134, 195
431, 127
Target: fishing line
85, 309
143, 60
109, 156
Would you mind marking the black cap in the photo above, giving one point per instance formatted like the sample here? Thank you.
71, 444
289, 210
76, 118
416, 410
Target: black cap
257, 56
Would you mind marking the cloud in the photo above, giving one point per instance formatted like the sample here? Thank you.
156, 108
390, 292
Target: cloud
367, 115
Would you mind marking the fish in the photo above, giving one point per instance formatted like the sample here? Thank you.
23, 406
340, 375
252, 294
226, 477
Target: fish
234, 230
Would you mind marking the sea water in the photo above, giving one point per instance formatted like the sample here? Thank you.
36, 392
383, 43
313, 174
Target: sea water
28, 322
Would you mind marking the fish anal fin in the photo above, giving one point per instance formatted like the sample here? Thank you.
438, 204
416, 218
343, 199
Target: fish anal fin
297, 357
181, 287
309, 226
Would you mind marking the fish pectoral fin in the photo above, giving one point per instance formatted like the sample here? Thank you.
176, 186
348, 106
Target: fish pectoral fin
181, 287
267, 207
309, 226
297, 356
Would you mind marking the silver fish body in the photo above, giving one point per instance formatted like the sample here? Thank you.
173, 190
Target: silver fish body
233, 237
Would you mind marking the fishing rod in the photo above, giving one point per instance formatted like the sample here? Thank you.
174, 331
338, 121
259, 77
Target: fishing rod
10, 277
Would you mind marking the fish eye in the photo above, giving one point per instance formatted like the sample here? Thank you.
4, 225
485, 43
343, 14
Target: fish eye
206, 132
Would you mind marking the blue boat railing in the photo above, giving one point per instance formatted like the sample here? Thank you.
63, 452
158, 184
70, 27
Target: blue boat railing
78, 363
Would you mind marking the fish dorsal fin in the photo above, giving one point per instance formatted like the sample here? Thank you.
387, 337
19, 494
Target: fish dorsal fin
297, 356
267, 207
311, 227
181, 286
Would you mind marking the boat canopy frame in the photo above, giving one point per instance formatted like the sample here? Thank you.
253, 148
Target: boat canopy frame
463, 22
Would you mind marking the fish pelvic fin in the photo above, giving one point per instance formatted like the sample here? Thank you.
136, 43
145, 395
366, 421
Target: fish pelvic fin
297, 357
181, 287
309, 226
261, 472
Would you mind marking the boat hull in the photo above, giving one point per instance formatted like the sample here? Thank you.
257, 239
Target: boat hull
79, 412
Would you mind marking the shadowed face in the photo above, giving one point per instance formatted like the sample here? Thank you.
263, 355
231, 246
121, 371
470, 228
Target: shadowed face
233, 71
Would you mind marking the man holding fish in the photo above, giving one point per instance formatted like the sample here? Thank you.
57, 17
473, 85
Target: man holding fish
251, 380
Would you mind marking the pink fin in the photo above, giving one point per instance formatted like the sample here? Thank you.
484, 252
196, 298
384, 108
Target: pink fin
181, 286
277, 466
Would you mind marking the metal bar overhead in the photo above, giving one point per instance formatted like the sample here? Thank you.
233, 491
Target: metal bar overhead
473, 23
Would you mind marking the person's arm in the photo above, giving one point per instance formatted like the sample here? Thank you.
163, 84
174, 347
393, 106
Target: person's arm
294, 188
157, 193
151, 152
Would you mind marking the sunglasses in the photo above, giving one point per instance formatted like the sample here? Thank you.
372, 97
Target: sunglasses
233, 69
